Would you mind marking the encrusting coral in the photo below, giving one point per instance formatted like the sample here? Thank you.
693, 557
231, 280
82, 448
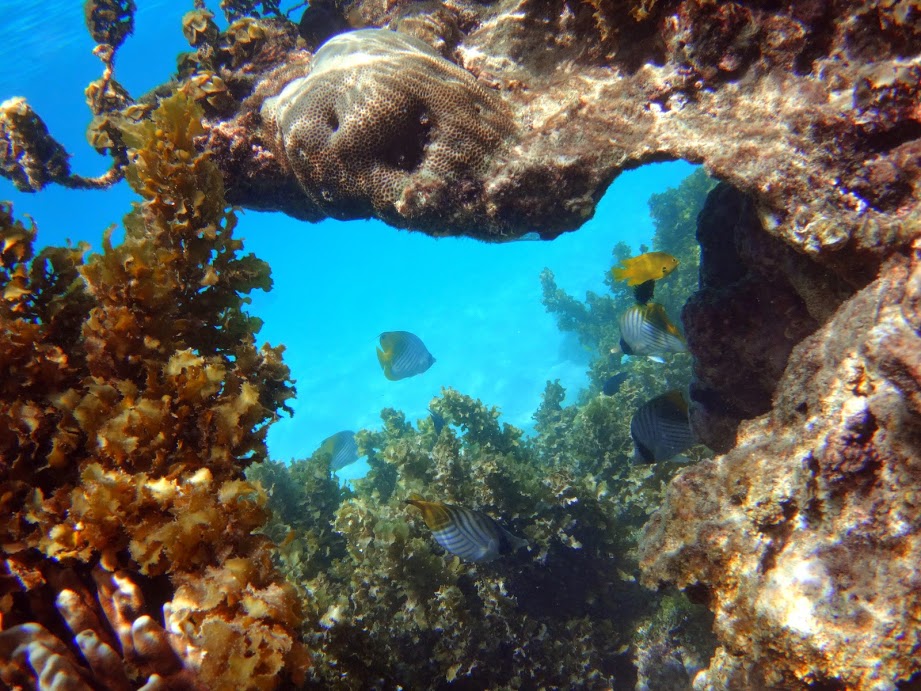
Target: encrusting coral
383, 125
133, 396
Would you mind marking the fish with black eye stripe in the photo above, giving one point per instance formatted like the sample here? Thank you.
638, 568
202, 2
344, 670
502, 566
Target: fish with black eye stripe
471, 535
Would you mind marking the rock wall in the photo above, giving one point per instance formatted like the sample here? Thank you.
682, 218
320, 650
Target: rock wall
757, 299
810, 108
805, 538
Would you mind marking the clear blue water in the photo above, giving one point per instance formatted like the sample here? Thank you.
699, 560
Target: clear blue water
337, 285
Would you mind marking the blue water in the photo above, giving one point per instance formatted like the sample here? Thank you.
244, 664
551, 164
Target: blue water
337, 285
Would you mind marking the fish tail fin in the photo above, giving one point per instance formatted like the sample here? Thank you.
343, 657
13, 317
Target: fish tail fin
620, 273
515, 543
382, 357
644, 292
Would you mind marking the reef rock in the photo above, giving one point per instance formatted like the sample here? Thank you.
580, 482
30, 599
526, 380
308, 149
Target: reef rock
805, 539
811, 109
757, 299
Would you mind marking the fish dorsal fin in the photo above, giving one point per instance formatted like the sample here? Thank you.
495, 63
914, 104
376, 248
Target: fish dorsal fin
434, 514
656, 314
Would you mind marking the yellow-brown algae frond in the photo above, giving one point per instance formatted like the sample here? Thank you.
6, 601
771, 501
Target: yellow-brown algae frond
243, 38
207, 86
132, 395
199, 28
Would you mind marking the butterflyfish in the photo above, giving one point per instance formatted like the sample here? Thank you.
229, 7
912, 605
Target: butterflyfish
341, 448
651, 266
471, 535
403, 354
612, 385
647, 330
660, 428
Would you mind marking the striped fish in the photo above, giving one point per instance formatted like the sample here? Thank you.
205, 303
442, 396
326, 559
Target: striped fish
471, 535
646, 330
341, 448
403, 354
660, 428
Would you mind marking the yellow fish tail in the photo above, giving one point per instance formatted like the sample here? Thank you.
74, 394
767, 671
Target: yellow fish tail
620, 274
385, 358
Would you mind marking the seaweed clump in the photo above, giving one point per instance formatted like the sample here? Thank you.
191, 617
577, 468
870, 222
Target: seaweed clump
389, 608
132, 397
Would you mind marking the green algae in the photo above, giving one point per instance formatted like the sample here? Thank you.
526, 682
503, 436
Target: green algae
386, 606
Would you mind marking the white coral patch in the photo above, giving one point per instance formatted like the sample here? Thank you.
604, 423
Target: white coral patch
795, 586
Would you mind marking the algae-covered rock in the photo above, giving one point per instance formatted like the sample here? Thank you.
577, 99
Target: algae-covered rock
805, 537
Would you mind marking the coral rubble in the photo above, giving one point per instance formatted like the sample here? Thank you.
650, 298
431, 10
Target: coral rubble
133, 395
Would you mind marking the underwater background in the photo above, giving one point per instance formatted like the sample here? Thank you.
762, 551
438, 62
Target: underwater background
677, 449
338, 285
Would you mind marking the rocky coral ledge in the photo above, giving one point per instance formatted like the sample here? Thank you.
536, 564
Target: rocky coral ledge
805, 539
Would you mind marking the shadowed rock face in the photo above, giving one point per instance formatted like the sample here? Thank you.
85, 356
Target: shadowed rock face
810, 108
805, 538
757, 299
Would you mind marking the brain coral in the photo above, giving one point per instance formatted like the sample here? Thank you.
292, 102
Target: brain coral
383, 125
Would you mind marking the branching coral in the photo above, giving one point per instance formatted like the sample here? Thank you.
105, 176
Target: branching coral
133, 397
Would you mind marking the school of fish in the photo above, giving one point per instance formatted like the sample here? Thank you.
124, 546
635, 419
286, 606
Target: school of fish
660, 428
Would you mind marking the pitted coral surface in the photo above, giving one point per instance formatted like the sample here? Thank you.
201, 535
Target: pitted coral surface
382, 121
